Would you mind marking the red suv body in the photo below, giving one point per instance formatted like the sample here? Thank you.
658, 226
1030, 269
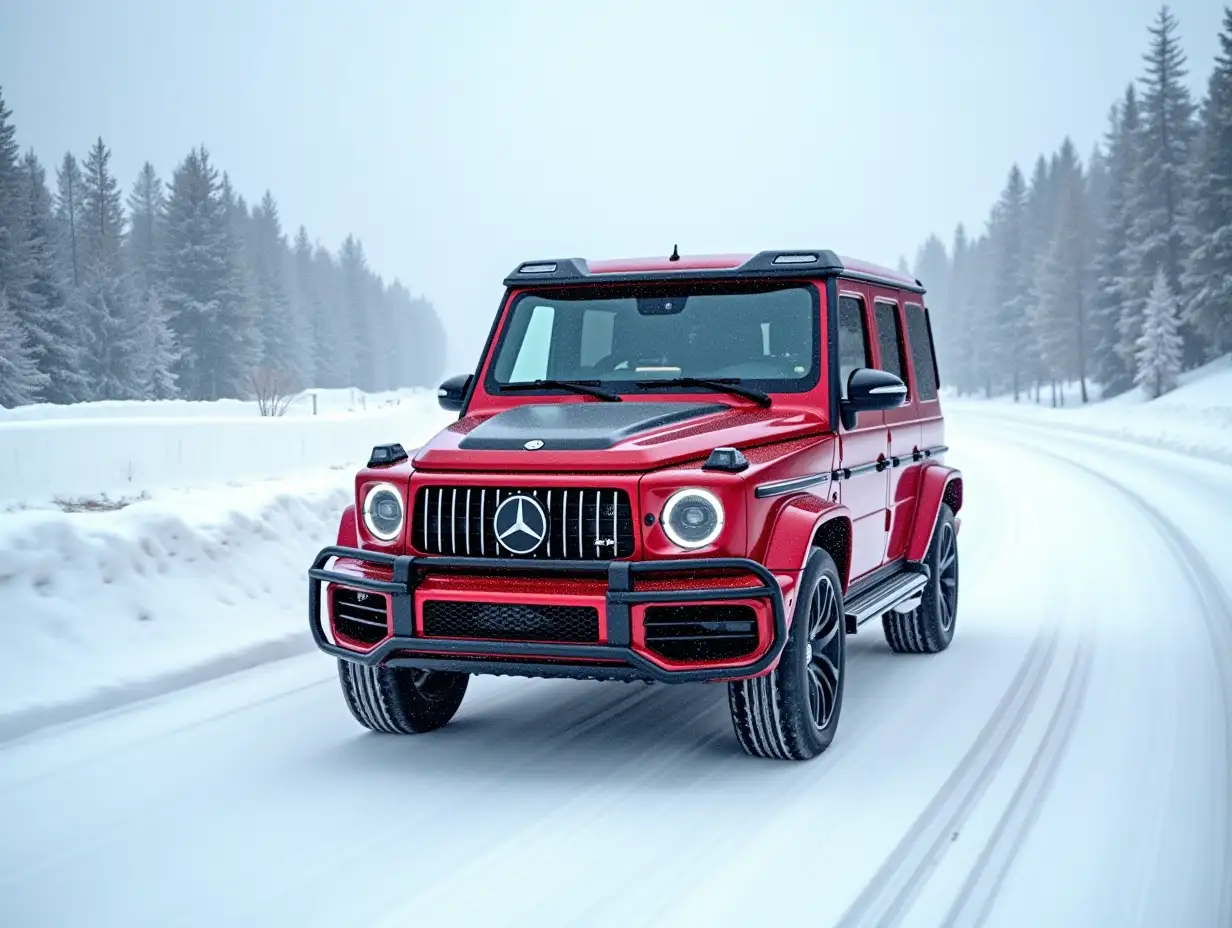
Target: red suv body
707, 469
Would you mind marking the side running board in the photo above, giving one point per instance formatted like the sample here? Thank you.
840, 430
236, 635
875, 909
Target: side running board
897, 590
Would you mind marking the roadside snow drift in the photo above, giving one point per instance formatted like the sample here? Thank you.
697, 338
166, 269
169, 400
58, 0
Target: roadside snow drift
210, 567
1195, 418
91, 601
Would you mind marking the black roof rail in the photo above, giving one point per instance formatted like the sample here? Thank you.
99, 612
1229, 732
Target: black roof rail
775, 263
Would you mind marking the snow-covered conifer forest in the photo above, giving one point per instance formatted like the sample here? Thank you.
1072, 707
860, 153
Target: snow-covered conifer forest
1064, 283
182, 289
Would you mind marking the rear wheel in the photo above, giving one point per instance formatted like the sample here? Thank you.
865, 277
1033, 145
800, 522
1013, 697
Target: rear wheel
929, 627
401, 700
792, 713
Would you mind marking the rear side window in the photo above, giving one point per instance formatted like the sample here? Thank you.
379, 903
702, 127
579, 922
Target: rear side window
852, 339
890, 339
923, 358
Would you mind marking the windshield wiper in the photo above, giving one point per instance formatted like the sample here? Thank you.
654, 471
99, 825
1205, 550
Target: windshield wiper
722, 384
587, 387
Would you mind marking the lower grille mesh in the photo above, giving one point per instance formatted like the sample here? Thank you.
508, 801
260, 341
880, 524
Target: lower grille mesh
360, 616
500, 622
701, 633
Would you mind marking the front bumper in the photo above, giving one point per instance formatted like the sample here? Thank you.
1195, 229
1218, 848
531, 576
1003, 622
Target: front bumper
616, 659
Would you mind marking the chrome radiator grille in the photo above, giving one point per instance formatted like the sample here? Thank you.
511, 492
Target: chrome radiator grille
581, 524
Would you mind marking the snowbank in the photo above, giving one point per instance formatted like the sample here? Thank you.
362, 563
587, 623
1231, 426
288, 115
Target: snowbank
91, 603
141, 452
1196, 418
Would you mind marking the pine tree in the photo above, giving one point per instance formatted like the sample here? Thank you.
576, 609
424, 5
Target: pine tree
1117, 301
113, 359
1098, 183
101, 213
53, 325
903, 268
1040, 222
1040, 215
336, 364
156, 354
1065, 280
960, 287
202, 286
932, 269
1160, 188
1208, 273
112, 325
68, 216
1012, 282
982, 317
20, 380
285, 344
306, 306
146, 203
359, 313
16, 267
1159, 345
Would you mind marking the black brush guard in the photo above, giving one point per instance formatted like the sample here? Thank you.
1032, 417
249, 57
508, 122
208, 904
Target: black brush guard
614, 660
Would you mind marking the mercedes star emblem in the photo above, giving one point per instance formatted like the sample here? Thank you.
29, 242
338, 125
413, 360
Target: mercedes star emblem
520, 524
533, 445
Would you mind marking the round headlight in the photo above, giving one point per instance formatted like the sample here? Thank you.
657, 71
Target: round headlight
383, 511
693, 518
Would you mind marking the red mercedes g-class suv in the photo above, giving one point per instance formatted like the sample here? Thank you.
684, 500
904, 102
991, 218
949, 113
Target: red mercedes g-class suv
707, 469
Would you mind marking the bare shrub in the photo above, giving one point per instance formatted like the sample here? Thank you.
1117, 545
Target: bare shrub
274, 391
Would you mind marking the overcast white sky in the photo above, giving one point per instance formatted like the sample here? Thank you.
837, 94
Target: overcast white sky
456, 139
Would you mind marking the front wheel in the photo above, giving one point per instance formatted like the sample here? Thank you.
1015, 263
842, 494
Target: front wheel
792, 712
401, 700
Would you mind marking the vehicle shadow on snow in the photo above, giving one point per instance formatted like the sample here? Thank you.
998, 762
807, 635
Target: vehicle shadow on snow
563, 732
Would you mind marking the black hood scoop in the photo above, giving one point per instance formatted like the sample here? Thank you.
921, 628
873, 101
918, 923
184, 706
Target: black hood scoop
581, 426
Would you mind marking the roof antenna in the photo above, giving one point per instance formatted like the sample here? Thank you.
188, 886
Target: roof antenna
675, 253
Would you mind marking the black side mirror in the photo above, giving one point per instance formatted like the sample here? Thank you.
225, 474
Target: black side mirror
870, 390
451, 392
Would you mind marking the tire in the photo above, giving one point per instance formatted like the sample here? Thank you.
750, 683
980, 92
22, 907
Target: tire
400, 700
792, 712
929, 628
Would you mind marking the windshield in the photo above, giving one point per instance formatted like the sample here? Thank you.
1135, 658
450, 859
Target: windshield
765, 335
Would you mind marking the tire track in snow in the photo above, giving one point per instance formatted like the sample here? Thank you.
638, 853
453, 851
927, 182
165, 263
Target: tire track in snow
1216, 609
889, 894
978, 893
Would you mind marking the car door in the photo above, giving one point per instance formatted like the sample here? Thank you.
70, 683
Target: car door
862, 449
902, 424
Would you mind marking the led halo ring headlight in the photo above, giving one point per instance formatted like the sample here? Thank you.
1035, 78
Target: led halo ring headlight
692, 518
384, 512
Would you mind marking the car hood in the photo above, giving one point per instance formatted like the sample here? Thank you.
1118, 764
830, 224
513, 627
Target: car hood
581, 435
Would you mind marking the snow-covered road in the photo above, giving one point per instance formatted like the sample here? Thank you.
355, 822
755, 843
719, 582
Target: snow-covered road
1066, 762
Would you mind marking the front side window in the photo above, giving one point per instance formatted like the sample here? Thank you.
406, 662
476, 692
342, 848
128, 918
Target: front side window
765, 335
853, 349
890, 339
